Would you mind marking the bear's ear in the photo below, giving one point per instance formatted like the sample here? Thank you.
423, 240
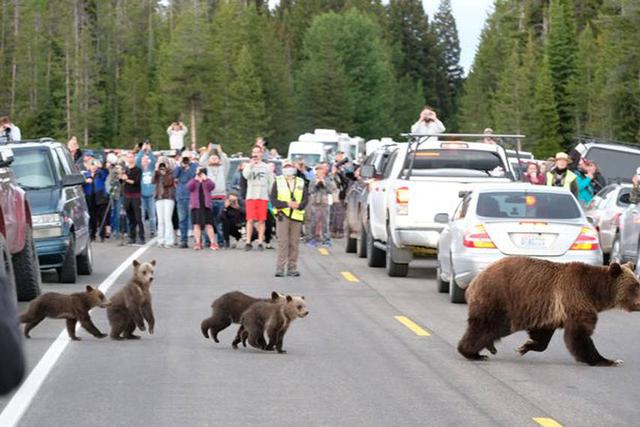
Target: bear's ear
275, 296
153, 262
630, 265
136, 263
614, 269
302, 297
289, 299
89, 288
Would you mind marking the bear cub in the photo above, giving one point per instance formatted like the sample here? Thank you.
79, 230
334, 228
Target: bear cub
131, 305
539, 296
274, 318
74, 308
228, 309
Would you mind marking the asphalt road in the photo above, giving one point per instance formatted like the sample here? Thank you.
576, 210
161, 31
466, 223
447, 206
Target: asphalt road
350, 362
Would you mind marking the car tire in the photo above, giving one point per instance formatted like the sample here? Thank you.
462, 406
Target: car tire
68, 273
6, 266
394, 269
375, 256
84, 261
27, 269
614, 255
361, 249
350, 244
443, 286
456, 293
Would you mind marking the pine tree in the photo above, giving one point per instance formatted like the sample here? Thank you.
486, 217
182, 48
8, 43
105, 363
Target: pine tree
545, 132
581, 88
508, 107
562, 50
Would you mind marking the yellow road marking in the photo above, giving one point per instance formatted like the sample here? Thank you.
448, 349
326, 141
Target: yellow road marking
415, 328
350, 277
547, 422
323, 251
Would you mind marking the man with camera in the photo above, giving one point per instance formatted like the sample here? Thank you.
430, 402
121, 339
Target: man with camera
232, 217
259, 180
8, 131
427, 123
217, 164
95, 192
146, 161
183, 173
177, 131
131, 177
321, 192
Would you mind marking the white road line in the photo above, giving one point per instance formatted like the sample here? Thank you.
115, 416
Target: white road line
23, 397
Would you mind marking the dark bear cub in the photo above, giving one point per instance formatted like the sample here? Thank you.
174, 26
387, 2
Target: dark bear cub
272, 318
74, 308
131, 305
227, 309
539, 296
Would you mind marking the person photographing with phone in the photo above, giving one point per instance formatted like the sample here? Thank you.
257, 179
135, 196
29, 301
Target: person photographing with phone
428, 123
164, 196
200, 203
95, 193
259, 181
183, 173
131, 178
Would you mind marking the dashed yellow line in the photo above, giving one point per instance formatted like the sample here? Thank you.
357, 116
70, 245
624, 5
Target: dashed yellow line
414, 327
350, 277
547, 422
323, 251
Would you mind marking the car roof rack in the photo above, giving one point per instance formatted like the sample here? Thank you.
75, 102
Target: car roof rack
590, 139
31, 141
416, 139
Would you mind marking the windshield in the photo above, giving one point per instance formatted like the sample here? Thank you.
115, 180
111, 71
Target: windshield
527, 204
309, 159
614, 165
456, 162
33, 169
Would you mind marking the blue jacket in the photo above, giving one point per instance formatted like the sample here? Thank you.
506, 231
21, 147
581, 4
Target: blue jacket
99, 182
183, 177
147, 187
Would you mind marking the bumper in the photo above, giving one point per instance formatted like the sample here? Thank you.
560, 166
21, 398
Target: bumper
51, 252
469, 264
426, 237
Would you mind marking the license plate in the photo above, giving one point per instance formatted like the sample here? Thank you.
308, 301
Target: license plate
531, 241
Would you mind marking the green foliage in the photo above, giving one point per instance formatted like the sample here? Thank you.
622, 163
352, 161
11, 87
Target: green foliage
546, 123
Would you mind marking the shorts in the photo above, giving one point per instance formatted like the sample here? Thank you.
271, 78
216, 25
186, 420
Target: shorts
257, 210
202, 217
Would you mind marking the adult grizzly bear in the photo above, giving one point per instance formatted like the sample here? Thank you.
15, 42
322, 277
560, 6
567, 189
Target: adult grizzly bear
519, 293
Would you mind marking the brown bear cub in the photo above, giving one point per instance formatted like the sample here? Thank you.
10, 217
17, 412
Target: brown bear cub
539, 296
74, 308
274, 318
131, 305
228, 308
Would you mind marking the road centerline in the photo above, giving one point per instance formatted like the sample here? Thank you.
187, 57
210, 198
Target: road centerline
547, 422
349, 276
20, 401
414, 327
323, 251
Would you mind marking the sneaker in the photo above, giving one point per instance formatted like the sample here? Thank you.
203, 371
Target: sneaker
280, 274
131, 242
327, 243
197, 246
248, 247
226, 245
293, 273
214, 247
312, 243
166, 246
184, 245
160, 244
142, 241
269, 246
260, 247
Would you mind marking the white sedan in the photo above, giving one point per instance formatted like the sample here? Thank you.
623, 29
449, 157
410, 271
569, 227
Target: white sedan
492, 222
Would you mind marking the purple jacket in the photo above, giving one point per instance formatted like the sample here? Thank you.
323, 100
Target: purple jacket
194, 196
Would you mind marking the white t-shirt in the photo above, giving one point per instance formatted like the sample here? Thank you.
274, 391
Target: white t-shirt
176, 137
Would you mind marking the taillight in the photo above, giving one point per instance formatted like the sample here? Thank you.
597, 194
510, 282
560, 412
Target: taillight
478, 237
402, 195
587, 240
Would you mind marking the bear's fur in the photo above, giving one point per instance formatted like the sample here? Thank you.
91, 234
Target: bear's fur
131, 305
227, 309
539, 296
74, 308
274, 318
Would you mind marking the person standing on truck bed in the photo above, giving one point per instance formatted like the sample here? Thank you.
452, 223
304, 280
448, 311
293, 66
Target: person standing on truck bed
428, 122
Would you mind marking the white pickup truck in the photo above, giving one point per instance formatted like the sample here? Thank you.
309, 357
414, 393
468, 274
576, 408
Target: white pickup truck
421, 181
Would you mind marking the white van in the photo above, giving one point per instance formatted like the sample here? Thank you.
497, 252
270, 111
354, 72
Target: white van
312, 152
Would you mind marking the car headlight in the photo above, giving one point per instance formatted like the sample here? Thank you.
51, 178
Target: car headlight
46, 226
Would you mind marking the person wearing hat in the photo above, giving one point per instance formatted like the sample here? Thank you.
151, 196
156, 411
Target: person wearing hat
289, 197
561, 176
634, 198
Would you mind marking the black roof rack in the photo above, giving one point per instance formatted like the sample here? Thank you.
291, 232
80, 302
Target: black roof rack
590, 139
31, 141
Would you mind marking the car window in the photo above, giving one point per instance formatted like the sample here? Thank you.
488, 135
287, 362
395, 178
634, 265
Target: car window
59, 163
67, 161
613, 164
527, 205
455, 162
624, 197
34, 168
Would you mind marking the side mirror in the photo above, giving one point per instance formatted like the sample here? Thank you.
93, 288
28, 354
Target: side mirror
591, 220
367, 171
464, 193
72, 180
442, 218
6, 156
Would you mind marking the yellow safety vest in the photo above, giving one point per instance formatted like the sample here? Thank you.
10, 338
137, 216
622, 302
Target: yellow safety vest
568, 179
284, 195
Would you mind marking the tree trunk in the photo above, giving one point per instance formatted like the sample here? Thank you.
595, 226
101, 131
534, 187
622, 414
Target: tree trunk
67, 81
193, 124
14, 64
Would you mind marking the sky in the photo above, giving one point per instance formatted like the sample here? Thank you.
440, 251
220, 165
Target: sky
470, 16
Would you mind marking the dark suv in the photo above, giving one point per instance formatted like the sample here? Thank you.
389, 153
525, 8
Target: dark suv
45, 170
19, 262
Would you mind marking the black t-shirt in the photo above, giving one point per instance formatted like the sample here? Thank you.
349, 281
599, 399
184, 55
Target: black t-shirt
201, 196
134, 174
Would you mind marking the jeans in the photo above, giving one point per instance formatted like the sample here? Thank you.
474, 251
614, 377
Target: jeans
134, 216
164, 208
319, 223
217, 207
149, 209
116, 207
183, 219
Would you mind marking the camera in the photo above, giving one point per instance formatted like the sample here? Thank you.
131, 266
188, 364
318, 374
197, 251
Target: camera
162, 166
185, 161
